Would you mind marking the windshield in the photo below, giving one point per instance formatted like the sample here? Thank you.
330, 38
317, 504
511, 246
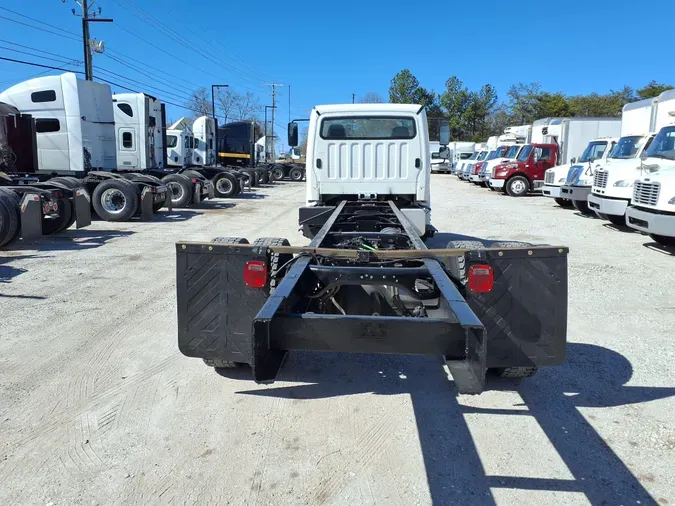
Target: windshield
474, 155
501, 152
525, 153
512, 152
481, 155
171, 141
627, 147
595, 151
491, 155
663, 145
466, 156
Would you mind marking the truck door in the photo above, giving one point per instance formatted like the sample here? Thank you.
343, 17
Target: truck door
127, 149
544, 159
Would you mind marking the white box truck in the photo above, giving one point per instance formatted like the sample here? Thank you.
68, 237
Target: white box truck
613, 182
652, 207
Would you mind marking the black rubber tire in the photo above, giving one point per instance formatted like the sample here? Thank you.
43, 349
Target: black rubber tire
67, 181
262, 176
279, 173
230, 240
270, 177
184, 198
131, 195
252, 178
663, 240
65, 219
508, 187
582, 207
217, 363
225, 185
296, 174
276, 260
564, 203
515, 372
456, 266
9, 218
619, 221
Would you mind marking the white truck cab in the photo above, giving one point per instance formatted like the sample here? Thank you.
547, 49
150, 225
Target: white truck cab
375, 152
179, 144
204, 144
509, 153
138, 131
468, 168
579, 179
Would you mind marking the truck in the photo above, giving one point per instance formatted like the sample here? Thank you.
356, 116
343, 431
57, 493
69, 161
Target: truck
30, 208
467, 169
496, 154
367, 282
570, 136
579, 180
509, 152
459, 152
652, 206
510, 143
613, 183
526, 173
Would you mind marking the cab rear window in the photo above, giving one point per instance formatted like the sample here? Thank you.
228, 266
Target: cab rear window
368, 127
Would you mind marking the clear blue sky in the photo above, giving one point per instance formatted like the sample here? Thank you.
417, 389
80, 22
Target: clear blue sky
326, 51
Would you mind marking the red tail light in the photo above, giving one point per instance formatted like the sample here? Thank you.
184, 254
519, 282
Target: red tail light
481, 278
255, 274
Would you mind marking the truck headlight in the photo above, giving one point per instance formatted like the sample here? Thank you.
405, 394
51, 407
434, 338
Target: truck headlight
624, 183
672, 202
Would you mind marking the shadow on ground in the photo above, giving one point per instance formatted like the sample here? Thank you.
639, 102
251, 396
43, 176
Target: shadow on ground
71, 239
593, 376
655, 246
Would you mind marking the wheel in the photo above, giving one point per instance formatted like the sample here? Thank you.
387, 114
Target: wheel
582, 207
65, 208
252, 178
181, 189
224, 185
457, 265
663, 240
276, 260
9, 218
295, 174
223, 364
619, 221
67, 181
514, 372
517, 186
278, 173
116, 200
566, 203
262, 176
230, 240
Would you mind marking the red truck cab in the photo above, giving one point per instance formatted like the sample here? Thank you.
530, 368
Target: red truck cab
525, 173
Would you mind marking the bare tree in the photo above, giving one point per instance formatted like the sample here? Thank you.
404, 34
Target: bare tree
371, 98
247, 106
200, 103
226, 102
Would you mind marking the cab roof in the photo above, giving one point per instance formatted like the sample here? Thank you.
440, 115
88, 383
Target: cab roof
362, 108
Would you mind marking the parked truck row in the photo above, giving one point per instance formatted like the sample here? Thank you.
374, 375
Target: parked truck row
70, 148
618, 169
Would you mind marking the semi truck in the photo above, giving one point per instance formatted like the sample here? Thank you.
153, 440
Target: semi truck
510, 153
526, 173
652, 206
367, 282
613, 183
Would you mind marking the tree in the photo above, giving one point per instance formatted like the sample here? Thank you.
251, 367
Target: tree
552, 105
455, 99
371, 98
652, 90
246, 106
200, 103
403, 88
226, 100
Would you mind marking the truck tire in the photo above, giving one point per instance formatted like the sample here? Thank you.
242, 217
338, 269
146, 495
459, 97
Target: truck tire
517, 186
582, 207
263, 177
514, 372
116, 200
565, 203
217, 363
278, 173
296, 174
270, 176
276, 260
9, 218
181, 189
67, 181
663, 240
225, 185
456, 266
252, 177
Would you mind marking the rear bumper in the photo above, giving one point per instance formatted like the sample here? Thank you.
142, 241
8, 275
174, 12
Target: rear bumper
497, 183
575, 192
607, 206
551, 191
650, 222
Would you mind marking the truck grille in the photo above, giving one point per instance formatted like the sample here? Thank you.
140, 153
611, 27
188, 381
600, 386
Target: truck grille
550, 177
646, 193
600, 179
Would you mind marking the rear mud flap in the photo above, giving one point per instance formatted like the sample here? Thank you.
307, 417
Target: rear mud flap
82, 202
31, 217
147, 200
197, 194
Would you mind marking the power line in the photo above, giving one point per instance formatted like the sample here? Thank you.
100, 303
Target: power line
71, 34
41, 29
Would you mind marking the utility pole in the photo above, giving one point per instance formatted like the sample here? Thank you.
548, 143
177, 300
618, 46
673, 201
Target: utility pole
274, 107
88, 44
353, 97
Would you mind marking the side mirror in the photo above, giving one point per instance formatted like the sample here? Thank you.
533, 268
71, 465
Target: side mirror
644, 155
292, 134
573, 160
445, 133
591, 160
535, 157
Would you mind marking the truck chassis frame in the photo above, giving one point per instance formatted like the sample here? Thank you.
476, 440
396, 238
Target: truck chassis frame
520, 322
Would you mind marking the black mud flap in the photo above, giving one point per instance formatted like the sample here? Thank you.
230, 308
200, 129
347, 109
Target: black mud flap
525, 314
31, 217
211, 190
168, 203
197, 193
147, 200
82, 208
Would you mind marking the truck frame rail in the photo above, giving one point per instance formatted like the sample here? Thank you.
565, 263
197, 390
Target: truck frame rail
367, 284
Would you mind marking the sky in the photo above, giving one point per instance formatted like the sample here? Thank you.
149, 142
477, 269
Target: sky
327, 51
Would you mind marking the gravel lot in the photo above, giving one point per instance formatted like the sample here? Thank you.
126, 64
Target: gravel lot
97, 406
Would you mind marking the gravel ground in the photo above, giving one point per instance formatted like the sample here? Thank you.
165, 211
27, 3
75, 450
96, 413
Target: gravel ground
97, 406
